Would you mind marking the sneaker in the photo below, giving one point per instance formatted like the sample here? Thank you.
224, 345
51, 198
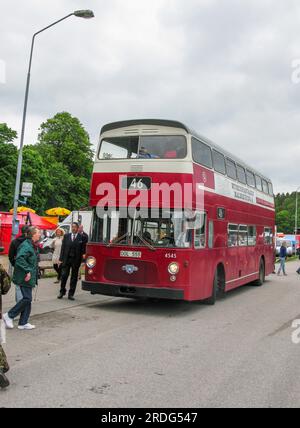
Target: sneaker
8, 321
26, 327
4, 382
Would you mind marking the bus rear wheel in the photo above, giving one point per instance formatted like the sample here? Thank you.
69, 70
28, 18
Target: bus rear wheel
262, 274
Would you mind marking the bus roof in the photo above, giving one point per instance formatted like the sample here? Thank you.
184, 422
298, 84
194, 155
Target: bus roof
176, 124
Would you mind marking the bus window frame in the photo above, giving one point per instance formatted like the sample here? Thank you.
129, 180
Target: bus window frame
234, 163
250, 173
244, 169
205, 231
237, 235
213, 161
256, 176
265, 181
270, 187
139, 145
245, 226
204, 144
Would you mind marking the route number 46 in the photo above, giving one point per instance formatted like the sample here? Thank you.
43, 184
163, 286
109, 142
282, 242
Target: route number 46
137, 184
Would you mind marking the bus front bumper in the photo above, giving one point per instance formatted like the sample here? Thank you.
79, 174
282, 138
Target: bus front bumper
132, 291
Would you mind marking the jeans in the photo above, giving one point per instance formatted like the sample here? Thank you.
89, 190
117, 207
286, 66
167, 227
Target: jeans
282, 265
23, 307
18, 294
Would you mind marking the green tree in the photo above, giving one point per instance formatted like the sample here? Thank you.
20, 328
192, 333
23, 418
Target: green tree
8, 166
67, 152
285, 205
35, 171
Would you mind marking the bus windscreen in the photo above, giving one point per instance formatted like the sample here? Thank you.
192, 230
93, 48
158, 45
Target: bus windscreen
143, 147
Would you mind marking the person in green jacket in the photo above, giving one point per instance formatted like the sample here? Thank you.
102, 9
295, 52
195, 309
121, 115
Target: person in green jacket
25, 275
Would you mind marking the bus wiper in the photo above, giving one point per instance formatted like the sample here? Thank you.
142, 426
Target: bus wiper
146, 242
117, 240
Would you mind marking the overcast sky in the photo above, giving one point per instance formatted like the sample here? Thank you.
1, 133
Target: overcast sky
222, 67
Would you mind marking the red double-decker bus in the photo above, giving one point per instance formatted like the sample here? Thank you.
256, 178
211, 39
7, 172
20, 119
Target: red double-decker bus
175, 216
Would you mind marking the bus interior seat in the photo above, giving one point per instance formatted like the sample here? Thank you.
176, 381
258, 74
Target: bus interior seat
170, 154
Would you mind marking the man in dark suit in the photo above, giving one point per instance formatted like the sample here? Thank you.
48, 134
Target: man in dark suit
85, 239
72, 251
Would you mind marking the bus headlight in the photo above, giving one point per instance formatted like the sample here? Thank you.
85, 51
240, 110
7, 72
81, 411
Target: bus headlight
91, 262
173, 268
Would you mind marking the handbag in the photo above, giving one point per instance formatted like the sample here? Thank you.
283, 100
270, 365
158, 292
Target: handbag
5, 280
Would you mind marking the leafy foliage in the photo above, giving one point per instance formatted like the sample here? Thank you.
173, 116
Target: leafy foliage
59, 165
8, 165
285, 212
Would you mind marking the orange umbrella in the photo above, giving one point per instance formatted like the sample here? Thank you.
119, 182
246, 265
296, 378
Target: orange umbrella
23, 209
58, 211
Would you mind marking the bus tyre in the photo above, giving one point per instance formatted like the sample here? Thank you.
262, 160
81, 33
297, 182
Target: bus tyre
262, 274
212, 299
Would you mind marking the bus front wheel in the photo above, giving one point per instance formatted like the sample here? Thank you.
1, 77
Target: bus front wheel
218, 287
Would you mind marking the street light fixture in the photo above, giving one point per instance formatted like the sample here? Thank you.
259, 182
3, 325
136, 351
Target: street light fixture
80, 14
84, 14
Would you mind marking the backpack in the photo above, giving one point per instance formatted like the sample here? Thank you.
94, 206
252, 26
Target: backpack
5, 280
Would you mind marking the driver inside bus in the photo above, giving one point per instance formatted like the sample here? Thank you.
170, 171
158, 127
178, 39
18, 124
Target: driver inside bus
147, 237
144, 154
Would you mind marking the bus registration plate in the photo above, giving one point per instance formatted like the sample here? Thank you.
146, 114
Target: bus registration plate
135, 254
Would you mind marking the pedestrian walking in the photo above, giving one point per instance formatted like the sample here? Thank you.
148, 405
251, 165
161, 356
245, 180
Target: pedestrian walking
298, 254
85, 238
12, 255
26, 276
282, 258
5, 284
56, 245
72, 251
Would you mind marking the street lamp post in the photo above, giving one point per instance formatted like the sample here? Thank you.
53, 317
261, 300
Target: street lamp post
80, 14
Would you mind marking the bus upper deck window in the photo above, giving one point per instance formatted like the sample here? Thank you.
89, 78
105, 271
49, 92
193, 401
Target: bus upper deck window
231, 169
258, 183
265, 187
202, 153
241, 174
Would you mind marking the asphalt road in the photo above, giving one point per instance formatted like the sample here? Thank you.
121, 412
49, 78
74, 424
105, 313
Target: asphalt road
103, 352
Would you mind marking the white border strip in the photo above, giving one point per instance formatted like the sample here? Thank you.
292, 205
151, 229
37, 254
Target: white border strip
241, 277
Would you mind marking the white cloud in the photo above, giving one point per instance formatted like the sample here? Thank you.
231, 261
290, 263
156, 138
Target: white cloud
224, 68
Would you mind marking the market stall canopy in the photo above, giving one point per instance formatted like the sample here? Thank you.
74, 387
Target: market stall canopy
24, 218
58, 211
27, 217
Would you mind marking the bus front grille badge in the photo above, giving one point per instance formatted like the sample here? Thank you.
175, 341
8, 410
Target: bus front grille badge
130, 269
